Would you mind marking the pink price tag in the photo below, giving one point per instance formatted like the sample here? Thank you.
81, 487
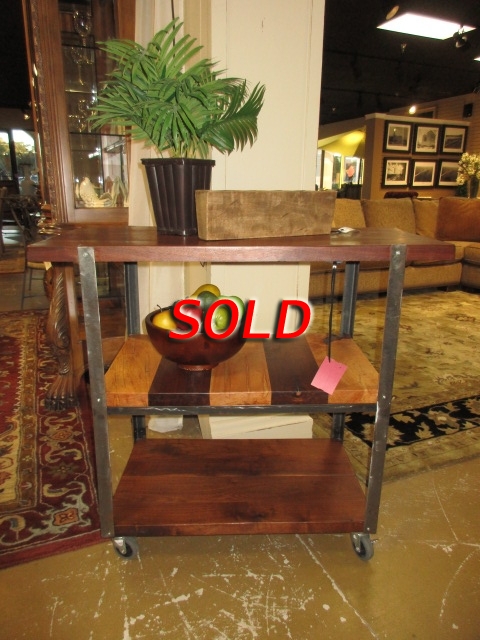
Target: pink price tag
329, 375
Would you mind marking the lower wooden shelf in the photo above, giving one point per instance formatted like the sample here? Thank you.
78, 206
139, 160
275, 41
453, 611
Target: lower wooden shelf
211, 487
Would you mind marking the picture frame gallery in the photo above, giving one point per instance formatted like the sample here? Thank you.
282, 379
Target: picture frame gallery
422, 139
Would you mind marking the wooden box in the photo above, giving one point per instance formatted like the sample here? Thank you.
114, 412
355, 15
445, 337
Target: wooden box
224, 215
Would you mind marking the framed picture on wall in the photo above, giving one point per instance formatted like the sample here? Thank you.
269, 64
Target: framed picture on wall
398, 136
426, 139
395, 172
454, 139
447, 174
423, 173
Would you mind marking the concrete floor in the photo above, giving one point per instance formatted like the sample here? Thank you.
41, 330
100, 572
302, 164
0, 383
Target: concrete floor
423, 581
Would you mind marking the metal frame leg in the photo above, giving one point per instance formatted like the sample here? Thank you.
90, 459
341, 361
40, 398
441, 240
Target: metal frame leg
133, 327
387, 372
88, 282
347, 322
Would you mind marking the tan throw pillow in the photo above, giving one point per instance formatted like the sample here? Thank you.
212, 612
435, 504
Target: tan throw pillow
458, 219
348, 213
390, 213
426, 213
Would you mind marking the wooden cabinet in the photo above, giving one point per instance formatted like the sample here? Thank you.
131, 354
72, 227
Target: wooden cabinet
192, 487
66, 67
83, 174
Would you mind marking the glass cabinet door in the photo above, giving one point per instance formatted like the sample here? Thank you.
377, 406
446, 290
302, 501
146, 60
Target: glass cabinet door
98, 158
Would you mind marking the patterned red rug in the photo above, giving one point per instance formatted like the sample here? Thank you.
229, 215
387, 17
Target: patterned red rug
48, 499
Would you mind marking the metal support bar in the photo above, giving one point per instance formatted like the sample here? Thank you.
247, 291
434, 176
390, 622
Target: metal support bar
133, 328
349, 299
387, 373
347, 323
88, 282
131, 288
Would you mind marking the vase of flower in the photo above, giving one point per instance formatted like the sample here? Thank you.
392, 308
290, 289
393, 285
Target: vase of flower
469, 173
473, 187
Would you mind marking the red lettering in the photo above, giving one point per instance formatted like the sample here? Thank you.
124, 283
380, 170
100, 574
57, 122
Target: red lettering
248, 322
188, 314
218, 325
306, 314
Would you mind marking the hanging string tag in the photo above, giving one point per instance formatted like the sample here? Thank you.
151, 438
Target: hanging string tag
330, 372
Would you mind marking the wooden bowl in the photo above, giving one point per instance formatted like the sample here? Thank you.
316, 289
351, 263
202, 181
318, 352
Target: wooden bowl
199, 353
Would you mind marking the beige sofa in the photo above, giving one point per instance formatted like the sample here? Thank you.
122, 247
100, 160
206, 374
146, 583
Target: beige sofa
452, 219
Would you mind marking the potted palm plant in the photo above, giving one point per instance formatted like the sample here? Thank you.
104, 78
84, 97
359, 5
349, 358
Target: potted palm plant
182, 111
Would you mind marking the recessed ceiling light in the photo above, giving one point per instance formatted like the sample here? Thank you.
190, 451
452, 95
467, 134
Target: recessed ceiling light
417, 25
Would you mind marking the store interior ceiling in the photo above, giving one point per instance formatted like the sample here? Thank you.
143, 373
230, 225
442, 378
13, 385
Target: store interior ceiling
365, 69
369, 70
14, 83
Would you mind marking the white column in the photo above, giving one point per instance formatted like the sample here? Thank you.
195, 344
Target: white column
159, 284
277, 43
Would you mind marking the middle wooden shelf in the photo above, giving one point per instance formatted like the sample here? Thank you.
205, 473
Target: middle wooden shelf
263, 373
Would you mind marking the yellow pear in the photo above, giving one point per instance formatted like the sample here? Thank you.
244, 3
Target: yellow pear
211, 288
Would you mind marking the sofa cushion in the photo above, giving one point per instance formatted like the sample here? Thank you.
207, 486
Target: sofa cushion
472, 253
458, 219
390, 213
460, 250
426, 213
348, 213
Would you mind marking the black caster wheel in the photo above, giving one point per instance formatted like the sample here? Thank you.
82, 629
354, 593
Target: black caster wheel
126, 548
362, 545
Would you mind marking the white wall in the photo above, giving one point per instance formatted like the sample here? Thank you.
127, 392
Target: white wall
278, 43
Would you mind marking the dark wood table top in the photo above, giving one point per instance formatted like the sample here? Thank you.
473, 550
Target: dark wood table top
144, 244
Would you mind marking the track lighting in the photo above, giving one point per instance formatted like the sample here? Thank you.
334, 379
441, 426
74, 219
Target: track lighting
390, 9
460, 39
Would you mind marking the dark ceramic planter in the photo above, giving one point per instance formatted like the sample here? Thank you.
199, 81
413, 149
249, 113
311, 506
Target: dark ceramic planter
172, 183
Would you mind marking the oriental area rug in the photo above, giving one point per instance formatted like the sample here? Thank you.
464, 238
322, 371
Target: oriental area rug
436, 394
47, 485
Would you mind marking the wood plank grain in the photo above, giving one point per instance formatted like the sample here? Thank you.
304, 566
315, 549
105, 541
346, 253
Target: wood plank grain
291, 368
143, 244
175, 387
243, 379
129, 378
359, 383
187, 487
159, 457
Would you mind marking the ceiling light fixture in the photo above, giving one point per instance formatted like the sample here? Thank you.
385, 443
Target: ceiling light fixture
417, 25
391, 9
461, 40
412, 110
